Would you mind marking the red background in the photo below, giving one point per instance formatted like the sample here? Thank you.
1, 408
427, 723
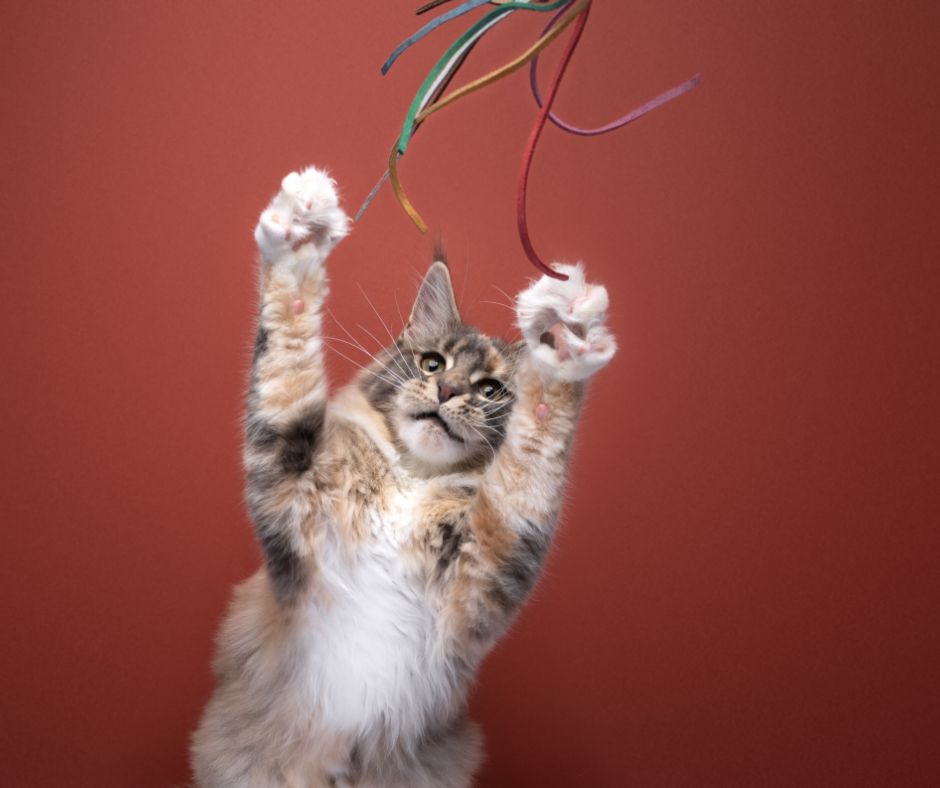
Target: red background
745, 588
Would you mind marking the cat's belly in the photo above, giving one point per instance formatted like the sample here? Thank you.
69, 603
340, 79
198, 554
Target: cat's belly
371, 651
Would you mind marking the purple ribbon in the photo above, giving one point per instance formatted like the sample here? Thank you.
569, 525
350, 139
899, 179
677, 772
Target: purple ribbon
634, 114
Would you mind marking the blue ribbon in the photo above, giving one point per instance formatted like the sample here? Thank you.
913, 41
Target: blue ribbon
429, 27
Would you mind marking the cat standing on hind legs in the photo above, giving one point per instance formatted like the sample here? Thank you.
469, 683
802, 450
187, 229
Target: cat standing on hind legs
402, 522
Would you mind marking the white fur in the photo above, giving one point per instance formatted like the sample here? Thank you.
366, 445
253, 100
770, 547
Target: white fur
428, 442
360, 662
306, 208
566, 309
370, 661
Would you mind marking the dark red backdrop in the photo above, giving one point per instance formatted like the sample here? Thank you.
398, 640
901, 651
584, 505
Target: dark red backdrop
745, 588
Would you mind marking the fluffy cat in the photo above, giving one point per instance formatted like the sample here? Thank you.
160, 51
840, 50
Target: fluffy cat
402, 523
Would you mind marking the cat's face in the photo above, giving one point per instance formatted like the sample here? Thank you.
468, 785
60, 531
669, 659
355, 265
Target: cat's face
445, 388
455, 404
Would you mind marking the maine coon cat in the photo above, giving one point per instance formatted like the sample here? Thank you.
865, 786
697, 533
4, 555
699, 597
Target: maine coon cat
403, 522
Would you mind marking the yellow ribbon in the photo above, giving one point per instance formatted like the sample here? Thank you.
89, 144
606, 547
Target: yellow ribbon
512, 65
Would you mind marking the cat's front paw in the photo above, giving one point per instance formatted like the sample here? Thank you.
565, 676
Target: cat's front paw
303, 222
563, 325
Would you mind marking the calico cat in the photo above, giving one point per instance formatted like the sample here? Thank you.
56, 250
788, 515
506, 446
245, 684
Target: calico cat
402, 523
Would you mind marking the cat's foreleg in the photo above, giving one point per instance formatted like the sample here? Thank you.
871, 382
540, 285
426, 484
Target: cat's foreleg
288, 392
517, 506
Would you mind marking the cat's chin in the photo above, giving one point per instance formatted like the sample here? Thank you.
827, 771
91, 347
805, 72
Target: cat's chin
429, 443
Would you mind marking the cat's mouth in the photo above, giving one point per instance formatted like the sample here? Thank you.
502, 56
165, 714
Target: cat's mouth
436, 417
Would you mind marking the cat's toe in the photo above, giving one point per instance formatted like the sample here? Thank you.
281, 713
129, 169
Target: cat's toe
272, 234
291, 184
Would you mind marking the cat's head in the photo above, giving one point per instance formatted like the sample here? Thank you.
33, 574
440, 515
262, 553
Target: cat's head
445, 388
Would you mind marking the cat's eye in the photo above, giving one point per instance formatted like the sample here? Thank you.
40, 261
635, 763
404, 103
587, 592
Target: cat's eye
490, 389
432, 362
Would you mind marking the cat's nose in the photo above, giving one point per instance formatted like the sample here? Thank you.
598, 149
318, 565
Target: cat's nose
445, 391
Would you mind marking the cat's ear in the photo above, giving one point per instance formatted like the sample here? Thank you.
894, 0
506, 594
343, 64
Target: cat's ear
435, 308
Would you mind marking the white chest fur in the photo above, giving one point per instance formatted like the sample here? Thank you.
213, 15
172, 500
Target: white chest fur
371, 656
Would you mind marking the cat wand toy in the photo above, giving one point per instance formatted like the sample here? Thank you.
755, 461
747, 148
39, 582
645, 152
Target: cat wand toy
432, 97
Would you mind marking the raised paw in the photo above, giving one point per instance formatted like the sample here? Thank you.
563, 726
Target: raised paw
563, 325
302, 223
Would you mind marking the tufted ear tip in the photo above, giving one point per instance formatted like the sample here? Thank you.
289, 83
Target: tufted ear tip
439, 269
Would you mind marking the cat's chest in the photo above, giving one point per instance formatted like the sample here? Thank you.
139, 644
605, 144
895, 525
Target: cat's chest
397, 518
372, 639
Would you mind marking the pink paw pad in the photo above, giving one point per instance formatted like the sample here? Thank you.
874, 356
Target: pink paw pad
297, 306
542, 411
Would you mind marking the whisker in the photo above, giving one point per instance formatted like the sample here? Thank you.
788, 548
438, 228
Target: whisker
359, 344
385, 326
376, 311
500, 303
499, 407
398, 309
401, 369
483, 438
466, 272
336, 320
361, 349
512, 308
511, 299
387, 378
359, 366
347, 342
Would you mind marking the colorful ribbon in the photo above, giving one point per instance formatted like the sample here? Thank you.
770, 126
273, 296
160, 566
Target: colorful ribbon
430, 97
450, 57
429, 27
634, 114
437, 80
521, 217
471, 36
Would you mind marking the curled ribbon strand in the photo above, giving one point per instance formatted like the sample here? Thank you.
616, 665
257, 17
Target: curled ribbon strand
623, 120
431, 97
460, 10
521, 216
417, 114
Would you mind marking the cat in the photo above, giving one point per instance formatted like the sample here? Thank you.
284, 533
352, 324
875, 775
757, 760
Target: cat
402, 523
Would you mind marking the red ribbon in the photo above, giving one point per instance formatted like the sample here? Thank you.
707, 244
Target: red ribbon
533, 141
